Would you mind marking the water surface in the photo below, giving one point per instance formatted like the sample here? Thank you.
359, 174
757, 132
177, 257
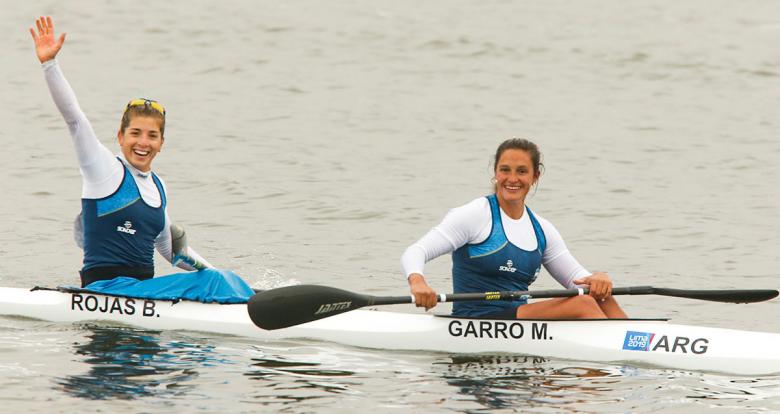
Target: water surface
312, 142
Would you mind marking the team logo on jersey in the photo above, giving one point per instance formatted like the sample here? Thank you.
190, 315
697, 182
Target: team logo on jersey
508, 267
127, 228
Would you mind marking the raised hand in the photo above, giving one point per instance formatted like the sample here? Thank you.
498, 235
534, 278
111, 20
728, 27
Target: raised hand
46, 45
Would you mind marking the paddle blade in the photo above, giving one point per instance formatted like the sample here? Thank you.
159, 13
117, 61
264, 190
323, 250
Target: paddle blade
730, 296
294, 305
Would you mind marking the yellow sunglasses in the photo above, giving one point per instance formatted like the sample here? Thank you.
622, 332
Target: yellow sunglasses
146, 102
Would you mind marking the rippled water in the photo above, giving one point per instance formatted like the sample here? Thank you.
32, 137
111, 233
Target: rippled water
150, 371
312, 142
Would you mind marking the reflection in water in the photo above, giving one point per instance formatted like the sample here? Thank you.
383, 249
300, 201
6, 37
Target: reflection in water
288, 381
715, 387
128, 363
497, 382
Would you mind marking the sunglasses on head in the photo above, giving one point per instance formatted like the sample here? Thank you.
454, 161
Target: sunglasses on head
146, 102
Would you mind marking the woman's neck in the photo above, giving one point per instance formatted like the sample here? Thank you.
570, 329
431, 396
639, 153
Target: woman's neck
513, 209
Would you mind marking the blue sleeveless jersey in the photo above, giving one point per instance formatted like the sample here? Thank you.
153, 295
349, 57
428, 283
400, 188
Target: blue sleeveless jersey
495, 265
119, 230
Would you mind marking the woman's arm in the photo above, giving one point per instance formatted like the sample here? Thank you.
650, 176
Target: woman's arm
462, 225
429, 247
562, 265
100, 170
557, 259
163, 244
469, 223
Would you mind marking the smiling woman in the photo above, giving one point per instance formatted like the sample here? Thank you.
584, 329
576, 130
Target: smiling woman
141, 132
124, 213
499, 244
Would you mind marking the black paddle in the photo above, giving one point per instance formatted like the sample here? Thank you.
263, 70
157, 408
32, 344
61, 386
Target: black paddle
294, 305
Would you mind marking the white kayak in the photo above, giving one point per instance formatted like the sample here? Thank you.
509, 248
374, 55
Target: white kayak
645, 341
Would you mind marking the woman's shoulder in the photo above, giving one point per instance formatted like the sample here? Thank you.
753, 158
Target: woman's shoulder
542, 221
465, 223
547, 227
160, 179
476, 206
473, 215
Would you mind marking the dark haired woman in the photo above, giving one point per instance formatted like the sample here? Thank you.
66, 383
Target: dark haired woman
498, 244
124, 215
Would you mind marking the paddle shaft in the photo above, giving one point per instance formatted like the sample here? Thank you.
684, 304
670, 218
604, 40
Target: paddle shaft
464, 297
293, 305
731, 296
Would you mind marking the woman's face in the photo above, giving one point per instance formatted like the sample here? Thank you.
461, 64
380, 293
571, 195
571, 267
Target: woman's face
141, 141
515, 175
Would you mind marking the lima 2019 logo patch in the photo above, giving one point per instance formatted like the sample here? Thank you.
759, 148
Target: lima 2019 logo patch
637, 341
646, 341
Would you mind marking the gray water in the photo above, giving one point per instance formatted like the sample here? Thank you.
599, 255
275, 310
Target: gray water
313, 141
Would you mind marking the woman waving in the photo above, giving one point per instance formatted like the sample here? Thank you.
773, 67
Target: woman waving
124, 205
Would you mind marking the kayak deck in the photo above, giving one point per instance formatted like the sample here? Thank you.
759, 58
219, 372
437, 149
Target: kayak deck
647, 341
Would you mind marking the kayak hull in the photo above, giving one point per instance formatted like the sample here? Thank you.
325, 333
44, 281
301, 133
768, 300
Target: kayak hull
647, 341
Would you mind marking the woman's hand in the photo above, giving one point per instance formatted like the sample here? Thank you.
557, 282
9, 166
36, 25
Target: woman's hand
424, 296
46, 46
599, 285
